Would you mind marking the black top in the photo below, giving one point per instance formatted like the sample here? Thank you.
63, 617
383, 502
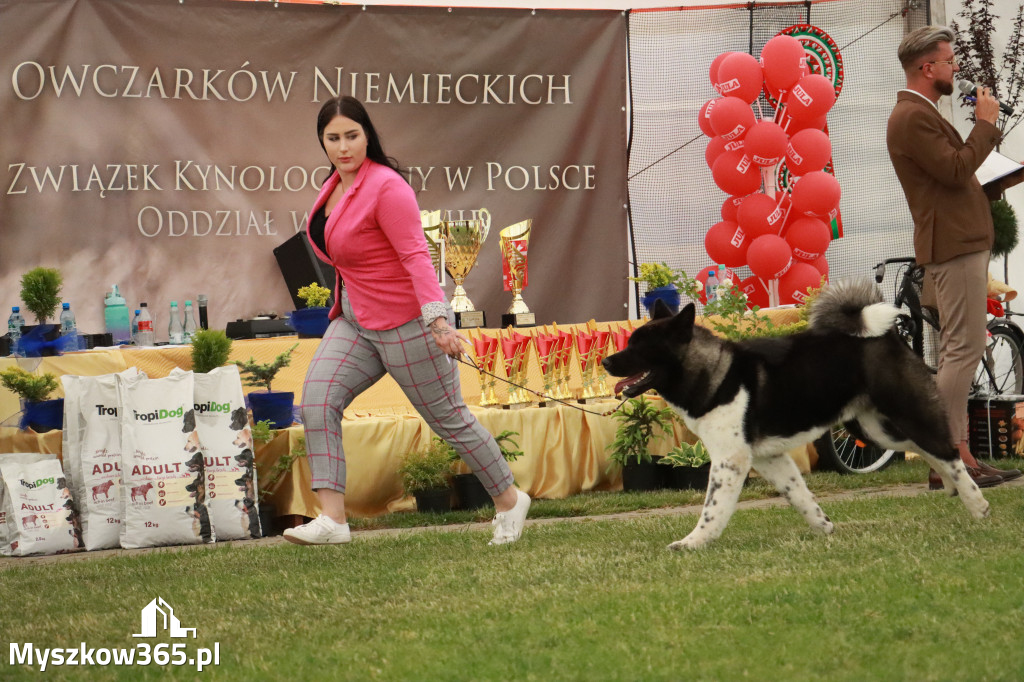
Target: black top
317, 225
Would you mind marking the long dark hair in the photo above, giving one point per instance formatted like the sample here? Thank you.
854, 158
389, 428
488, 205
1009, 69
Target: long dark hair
351, 108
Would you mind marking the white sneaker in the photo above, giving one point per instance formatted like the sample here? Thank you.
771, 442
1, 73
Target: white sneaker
323, 530
508, 526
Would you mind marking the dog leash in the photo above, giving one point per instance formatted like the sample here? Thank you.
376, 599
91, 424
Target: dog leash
542, 395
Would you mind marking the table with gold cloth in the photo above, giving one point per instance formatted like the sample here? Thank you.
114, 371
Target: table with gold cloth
564, 448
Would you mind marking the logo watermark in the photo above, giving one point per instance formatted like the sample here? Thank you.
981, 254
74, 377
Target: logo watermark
157, 617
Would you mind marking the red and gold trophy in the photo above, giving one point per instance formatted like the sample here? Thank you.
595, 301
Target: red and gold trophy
620, 338
599, 351
565, 364
547, 356
584, 351
516, 348
486, 350
515, 241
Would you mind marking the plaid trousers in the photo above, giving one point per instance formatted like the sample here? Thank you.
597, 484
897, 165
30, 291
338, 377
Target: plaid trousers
350, 359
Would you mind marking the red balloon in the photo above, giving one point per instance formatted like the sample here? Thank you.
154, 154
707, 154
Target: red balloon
809, 237
702, 277
816, 194
808, 150
703, 118
794, 284
726, 243
730, 207
793, 126
715, 64
811, 97
717, 145
760, 214
735, 174
739, 75
766, 143
781, 58
822, 265
755, 292
731, 118
769, 256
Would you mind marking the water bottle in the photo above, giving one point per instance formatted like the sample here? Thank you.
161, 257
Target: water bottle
145, 336
115, 315
14, 324
135, 327
190, 322
175, 330
68, 328
711, 286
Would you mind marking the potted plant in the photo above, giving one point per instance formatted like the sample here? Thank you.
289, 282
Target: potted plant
661, 283
38, 413
40, 292
469, 491
210, 350
272, 406
690, 466
638, 420
426, 475
270, 481
1004, 222
312, 321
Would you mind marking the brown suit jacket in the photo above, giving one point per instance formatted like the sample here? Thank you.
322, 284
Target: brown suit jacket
936, 167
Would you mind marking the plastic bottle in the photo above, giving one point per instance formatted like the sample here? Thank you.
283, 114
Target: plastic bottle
135, 326
115, 315
190, 322
68, 328
711, 286
175, 330
14, 325
145, 336
203, 322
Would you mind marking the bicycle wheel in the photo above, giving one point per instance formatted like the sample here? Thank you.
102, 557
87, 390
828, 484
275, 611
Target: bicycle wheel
1001, 370
839, 450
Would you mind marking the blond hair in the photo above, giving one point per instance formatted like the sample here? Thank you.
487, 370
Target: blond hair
922, 42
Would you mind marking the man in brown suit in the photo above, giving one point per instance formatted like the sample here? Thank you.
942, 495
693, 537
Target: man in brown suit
952, 220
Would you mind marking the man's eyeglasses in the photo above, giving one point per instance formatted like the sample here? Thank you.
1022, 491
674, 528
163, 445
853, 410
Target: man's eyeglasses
951, 62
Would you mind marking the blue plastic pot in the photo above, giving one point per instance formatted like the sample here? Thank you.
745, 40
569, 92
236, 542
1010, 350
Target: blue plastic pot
311, 322
43, 416
272, 406
669, 294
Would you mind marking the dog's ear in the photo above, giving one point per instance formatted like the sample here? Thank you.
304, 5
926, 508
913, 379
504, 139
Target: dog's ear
682, 324
660, 310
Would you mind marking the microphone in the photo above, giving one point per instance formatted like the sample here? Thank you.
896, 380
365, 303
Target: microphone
970, 89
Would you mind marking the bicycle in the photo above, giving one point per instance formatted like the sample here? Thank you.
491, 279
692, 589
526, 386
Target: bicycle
1000, 371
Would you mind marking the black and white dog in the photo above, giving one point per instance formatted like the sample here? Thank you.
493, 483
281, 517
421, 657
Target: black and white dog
751, 401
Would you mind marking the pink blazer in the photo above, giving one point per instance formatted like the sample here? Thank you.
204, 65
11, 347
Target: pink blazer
375, 238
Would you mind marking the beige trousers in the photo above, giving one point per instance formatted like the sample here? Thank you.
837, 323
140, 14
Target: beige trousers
960, 288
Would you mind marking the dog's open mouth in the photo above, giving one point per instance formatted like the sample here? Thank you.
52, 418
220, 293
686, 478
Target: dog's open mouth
634, 385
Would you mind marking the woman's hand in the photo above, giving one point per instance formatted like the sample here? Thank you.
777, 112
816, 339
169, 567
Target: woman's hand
446, 338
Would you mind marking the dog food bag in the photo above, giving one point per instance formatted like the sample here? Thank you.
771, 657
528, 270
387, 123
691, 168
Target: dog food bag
15, 458
226, 441
161, 464
37, 506
92, 454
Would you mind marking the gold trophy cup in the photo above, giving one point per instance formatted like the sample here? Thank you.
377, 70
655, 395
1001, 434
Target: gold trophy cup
514, 241
463, 240
431, 221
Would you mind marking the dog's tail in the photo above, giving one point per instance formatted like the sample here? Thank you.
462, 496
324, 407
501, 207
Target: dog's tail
852, 307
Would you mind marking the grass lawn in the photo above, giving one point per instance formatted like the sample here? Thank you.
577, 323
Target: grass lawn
908, 588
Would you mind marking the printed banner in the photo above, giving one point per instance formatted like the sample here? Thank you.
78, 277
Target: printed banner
169, 147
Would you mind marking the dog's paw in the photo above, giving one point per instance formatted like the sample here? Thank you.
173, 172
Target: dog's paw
825, 527
691, 541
